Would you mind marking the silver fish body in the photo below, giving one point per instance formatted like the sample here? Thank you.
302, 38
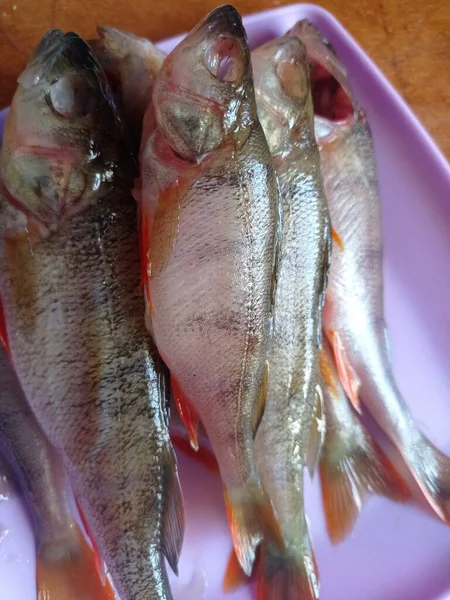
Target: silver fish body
211, 197
289, 425
74, 315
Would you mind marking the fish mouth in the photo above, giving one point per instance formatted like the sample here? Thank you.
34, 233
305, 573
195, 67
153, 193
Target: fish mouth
224, 20
55, 53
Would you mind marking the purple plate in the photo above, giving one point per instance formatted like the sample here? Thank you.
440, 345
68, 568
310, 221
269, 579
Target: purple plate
395, 552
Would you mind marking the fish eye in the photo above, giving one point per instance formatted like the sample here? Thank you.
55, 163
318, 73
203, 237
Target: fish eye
225, 59
72, 96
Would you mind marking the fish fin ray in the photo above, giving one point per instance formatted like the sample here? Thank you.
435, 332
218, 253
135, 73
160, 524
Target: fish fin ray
187, 413
203, 455
432, 473
64, 572
337, 239
251, 517
260, 405
348, 479
173, 516
280, 576
347, 375
235, 577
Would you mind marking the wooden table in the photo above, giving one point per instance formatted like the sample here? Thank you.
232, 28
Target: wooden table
408, 39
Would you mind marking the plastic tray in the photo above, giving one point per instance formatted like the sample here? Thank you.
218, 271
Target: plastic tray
395, 552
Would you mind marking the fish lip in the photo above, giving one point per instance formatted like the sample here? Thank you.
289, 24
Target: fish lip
224, 20
45, 59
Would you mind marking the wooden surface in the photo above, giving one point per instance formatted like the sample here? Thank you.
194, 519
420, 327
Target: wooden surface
408, 39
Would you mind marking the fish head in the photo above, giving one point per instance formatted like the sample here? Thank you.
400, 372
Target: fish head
63, 136
332, 93
283, 90
204, 95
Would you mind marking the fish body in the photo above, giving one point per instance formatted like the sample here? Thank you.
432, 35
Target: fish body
354, 312
289, 428
75, 320
209, 203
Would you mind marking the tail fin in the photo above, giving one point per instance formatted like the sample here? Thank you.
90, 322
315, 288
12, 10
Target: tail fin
350, 476
67, 571
251, 518
283, 576
431, 469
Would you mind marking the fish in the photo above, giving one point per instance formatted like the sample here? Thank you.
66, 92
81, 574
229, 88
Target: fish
131, 64
352, 465
74, 313
61, 546
353, 318
291, 431
209, 205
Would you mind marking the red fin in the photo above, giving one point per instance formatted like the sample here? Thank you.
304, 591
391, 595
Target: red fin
66, 570
251, 518
337, 238
235, 577
282, 577
3, 333
204, 456
347, 375
186, 412
99, 564
348, 479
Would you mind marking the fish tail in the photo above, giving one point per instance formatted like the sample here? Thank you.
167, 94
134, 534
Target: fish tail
349, 476
68, 571
251, 518
286, 576
431, 469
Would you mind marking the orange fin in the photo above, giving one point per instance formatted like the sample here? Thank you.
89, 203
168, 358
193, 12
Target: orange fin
251, 518
337, 239
186, 412
347, 375
67, 570
235, 577
282, 577
348, 479
203, 456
